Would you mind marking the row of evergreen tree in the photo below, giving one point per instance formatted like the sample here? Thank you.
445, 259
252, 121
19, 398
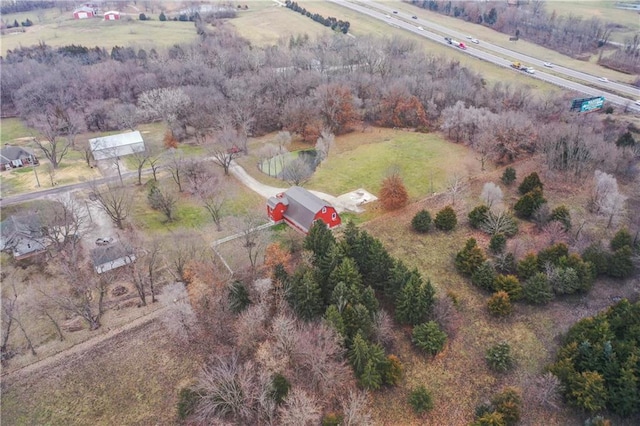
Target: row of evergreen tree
335, 24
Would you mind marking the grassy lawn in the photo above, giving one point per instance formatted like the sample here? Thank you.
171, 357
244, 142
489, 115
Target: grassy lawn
61, 30
12, 129
362, 160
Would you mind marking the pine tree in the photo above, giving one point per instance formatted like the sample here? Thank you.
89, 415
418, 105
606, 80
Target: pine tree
621, 264
621, 239
509, 176
478, 216
530, 183
469, 258
484, 277
305, 296
537, 290
319, 240
510, 285
446, 219
359, 354
415, 300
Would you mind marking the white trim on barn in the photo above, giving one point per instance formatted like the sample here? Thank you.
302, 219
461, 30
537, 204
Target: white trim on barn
116, 145
112, 15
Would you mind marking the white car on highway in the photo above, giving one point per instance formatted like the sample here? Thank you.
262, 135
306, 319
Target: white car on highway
603, 79
475, 40
548, 64
421, 29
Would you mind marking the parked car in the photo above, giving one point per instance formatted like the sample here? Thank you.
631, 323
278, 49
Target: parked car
104, 241
603, 79
548, 64
475, 40
414, 17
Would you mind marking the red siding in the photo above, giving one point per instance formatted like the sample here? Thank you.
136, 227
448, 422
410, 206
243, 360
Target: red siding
277, 213
329, 216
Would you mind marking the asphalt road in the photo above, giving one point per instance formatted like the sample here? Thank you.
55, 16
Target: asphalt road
404, 21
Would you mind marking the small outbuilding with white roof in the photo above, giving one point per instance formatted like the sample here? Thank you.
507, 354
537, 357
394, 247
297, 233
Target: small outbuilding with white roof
114, 146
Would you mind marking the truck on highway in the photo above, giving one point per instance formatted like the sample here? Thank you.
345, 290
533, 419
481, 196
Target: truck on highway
520, 67
458, 44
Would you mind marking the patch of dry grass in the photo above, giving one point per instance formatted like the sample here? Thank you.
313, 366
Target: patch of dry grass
133, 378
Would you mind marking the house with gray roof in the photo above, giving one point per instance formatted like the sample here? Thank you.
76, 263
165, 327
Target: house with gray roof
112, 256
16, 156
300, 208
119, 145
23, 236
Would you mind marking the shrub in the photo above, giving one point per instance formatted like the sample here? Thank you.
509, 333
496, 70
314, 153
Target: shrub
529, 203
469, 258
170, 140
508, 176
393, 194
446, 219
537, 290
508, 404
162, 17
530, 183
332, 419
499, 357
280, 387
429, 337
478, 215
420, 400
142, 17
394, 370
562, 215
564, 280
498, 243
484, 277
492, 418
510, 285
421, 222
187, 401
499, 304
621, 239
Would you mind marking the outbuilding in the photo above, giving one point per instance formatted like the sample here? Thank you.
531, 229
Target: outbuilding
23, 236
118, 145
84, 12
300, 208
111, 256
112, 15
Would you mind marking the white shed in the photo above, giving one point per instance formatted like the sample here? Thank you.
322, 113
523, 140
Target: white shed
116, 145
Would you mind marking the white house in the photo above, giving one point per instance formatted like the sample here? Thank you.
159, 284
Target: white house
112, 256
116, 145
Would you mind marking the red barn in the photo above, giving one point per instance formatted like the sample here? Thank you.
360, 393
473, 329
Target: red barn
300, 209
84, 12
112, 15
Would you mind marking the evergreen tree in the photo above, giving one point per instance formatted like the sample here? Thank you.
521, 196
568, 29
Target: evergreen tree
484, 277
499, 304
478, 216
428, 337
537, 290
509, 176
552, 255
626, 140
333, 316
305, 296
446, 219
598, 257
400, 275
162, 17
415, 300
347, 273
621, 264
469, 258
421, 222
238, 297
319, 240
498, 243
562, 215
530, 183
510, 285
621, 239
529, 203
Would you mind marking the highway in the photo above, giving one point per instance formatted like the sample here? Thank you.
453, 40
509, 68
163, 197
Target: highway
404, 21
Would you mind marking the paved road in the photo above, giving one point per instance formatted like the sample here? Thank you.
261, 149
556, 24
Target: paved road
404, 21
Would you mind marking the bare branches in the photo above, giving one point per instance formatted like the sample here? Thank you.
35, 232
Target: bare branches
225, 147
115, 201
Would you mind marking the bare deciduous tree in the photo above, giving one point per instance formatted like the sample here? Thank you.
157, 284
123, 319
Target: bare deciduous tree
323, 145
455, 186
175, 162
164, 200
166, 104
491, 194
299, 409
254, 238
115, 201
355, 410
297, 172
606, 199
180, 319
224, 148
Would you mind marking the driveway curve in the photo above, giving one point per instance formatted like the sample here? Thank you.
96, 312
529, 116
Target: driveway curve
267, 191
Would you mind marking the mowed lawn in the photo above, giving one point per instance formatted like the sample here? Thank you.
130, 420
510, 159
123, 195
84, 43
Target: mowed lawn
362, 160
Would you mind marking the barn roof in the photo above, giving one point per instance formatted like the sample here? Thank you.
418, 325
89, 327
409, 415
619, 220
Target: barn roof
112, 12
303, 206
114, 145
9, 153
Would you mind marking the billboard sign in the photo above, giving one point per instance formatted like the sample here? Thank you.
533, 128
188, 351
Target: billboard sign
587, 104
